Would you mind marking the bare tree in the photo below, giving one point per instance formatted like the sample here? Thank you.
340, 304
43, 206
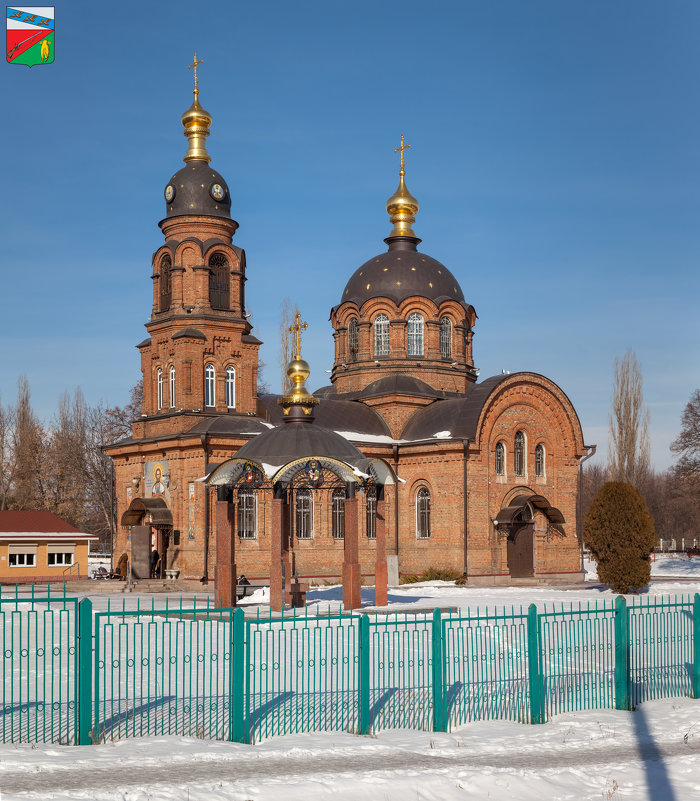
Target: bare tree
288, 313
120, 418
7, 456
687, 443
628, 448
28, 444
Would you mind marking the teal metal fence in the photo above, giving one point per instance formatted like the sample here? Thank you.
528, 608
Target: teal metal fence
39, 643
71, 675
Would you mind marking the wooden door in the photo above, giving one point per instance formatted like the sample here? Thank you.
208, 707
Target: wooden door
521, 550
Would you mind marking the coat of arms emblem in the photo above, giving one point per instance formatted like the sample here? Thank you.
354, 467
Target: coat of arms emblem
30, 35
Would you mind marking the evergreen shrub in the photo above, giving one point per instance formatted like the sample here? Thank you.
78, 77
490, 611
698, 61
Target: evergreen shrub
619, 532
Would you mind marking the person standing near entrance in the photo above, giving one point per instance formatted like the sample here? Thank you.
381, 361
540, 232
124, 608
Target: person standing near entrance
155, 562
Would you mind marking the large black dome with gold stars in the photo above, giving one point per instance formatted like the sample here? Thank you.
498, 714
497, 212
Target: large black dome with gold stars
401, 272
197, 189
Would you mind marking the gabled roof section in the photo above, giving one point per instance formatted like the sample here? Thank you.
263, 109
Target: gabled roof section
452, 418
34, 521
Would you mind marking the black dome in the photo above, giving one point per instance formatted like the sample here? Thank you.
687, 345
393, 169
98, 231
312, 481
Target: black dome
193, 192
401, 272
289, 441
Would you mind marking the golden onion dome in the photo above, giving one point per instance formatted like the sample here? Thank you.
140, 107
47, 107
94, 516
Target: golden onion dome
402, 207
196, 122
298, 371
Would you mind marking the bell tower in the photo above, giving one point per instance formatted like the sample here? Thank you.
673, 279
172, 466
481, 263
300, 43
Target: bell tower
200, 357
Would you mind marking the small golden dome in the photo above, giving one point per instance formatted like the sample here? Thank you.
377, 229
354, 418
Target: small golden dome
196, 122
402, 207
298, 371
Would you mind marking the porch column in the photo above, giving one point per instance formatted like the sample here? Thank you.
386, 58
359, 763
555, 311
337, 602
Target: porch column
352, 584
380, 569
225, 574
280, 572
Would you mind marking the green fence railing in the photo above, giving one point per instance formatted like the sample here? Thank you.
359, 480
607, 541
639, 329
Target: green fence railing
71, 675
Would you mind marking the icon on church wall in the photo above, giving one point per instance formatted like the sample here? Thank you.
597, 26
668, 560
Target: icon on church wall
157, 480
192, 512
252, 475
30, 35
169, 193
217, 192
314, 473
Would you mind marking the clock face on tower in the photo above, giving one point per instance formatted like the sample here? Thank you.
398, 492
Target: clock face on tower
217, 192
169, 193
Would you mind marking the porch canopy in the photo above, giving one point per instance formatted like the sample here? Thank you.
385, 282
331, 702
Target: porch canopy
507, 515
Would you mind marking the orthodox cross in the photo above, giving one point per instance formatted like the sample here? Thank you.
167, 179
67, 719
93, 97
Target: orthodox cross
401, 150
296, 329
194, 67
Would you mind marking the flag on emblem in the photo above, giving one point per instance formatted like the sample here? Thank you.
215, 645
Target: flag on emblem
30, 35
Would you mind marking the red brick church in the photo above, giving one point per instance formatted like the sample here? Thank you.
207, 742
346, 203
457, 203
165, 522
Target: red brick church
487, 470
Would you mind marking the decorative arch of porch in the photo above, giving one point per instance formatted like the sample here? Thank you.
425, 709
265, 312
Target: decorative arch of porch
307, 472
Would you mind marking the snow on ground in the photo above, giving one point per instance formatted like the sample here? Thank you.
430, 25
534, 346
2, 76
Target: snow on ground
650, 754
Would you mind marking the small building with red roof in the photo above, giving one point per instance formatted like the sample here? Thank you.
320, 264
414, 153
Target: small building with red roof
40, 546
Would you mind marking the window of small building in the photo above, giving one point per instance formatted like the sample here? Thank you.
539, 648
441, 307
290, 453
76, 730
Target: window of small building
304, 514
159, 384
338, 514
446, 338
246, 513
172, 386
56, 559
21, 559
353, 338
371, 513
519, 454
415, 334
500, 459
423, 513
381, 335
231, 387
165, 283
539, 461
209, 385
219, 282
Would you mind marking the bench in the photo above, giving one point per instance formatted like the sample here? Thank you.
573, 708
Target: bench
242, 590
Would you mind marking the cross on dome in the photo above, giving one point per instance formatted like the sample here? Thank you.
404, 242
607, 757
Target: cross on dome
296, 329
400, 150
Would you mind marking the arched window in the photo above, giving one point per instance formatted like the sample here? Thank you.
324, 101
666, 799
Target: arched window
423, 513
539, 461
172, 386
500, 459
305, 513
159, 388
165, 283
371, 513
519, 454
415, 334
246, 513
381, 335
338, 514
446, 338
231, 387
353, 338
219, 292
209, 385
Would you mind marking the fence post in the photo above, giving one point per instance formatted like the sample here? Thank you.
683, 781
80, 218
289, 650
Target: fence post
438, 691
622, 654
533, 664
696, 646
84, 658
238, 726
364, 724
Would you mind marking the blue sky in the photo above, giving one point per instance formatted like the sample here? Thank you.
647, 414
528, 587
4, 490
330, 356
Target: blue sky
555, 154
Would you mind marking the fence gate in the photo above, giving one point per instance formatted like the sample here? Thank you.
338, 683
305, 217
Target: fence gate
39, 644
